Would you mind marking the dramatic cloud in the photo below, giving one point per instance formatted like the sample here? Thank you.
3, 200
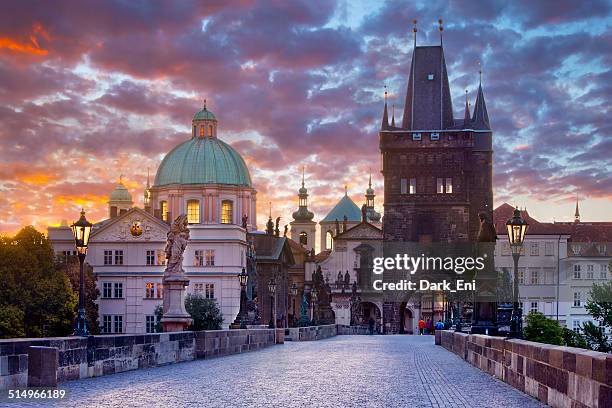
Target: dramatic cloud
89, 92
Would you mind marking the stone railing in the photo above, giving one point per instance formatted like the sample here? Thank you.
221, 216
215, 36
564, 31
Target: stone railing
309, 333
348, 330
558, 376
25, 361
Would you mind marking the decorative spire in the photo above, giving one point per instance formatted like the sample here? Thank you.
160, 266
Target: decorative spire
204, 104
346, 190
121, 179
303, 214
371, 214
393, 115
480, 118
303, 168
385, 119
440, 28
466, 117
414, 30
577, 213
148, 183
270, 223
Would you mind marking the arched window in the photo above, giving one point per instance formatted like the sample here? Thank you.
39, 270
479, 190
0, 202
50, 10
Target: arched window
329, 240
227, 212
303, 238
163, 206
210, 130
202, 130
194, 131
193, 211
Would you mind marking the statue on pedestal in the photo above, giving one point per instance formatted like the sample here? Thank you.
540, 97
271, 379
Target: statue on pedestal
175, 316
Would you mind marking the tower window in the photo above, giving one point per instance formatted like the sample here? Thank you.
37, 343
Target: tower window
412, 189
210, 130
194, 131
163, 205
329, 240
408, 186
193, 211
430, 77
404, 186
303, 238
449, 185
202, 131
440, 186
226, 212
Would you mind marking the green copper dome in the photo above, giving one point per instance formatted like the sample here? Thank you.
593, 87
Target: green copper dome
203, 160
120, 193
204, 114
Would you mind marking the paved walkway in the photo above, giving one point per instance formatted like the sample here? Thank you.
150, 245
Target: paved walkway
344, 371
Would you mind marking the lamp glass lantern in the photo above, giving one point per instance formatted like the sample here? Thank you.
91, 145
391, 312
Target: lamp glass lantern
272, 286
294, 289
81, 231
243, 277
516, 228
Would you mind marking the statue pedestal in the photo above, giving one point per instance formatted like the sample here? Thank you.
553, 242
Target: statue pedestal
175, 316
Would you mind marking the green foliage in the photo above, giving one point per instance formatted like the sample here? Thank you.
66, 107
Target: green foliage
32, 285
595, 338
71, 267
573, 339
159, 313
11, 322
599, 304
204, 312
542, 329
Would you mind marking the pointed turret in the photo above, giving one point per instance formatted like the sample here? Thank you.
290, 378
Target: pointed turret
385, 119
393, 115
467, 119
577, 213
480, 118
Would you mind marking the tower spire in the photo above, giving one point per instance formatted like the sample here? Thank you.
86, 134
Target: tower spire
440, 29
466, 117
303, 175
385, 119
577, 213
480, 118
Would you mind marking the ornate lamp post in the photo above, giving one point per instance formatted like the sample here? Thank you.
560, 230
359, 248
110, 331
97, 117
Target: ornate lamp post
313, 298
81, 231
294, 291
241, 318
272, 290
516, 227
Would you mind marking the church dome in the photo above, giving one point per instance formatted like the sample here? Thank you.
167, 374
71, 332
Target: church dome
204, 114
203, 160
120, 193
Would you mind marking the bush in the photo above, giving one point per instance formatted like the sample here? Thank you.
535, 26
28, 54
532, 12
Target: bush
204, 312
542, 329
573, 339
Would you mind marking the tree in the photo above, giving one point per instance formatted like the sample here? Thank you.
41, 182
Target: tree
543, 330
599, 303
11, 322
70, 266
32, 285
204, 312
159, 313
573, 339
596, 338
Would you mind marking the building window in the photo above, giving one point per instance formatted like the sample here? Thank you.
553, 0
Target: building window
209, 291
521, 276
108, 257
118, 323
163, 205
227, 212
408, 186
149, 290
198, 259
440, 185
434, 136
590, 270
404, 186
161, 257
535, 249
576, 248
160, 290
150, 323
329, 240
107, 290
193, 211
412, 187
107, 324
534, 307
416, 136
210, 130
577, 299
449, 185
549, 249
118, 290
303, 238
194, 131
210, 257
576, 271
150, 257
198, 288
534, 276
119, 257
202, 131
603, 271
576, 326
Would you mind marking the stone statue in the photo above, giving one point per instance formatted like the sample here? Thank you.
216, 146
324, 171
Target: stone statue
276, 230
245, 218
364, 213
486, 233
337, 227
344, 223
304, 320
175, 316
285, 232
176, 242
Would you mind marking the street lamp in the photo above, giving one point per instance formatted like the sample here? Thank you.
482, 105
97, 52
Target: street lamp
81, 231
516, 227
313, 298
241, 318
294, 291
272, 289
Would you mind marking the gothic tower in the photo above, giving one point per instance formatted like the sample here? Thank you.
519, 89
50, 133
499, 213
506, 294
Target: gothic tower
303, 227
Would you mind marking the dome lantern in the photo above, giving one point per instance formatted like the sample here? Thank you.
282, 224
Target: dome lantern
204, 123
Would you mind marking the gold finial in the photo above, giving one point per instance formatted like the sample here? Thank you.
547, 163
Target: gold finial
346, 189
414, 30
479, 73
440, 28
385, 87
204, 104
121, 179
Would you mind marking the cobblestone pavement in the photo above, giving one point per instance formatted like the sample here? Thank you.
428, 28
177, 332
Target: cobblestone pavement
344, 371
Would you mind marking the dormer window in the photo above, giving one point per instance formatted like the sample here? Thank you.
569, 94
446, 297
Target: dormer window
430, 77
434, 136
416, 136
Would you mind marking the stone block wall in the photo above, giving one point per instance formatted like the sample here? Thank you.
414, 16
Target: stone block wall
348, 330
310, 333
558, 376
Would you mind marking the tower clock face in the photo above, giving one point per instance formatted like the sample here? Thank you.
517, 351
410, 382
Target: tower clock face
136, 229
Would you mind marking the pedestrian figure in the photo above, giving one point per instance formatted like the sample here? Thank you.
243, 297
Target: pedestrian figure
421, 326
371, 325
428, 327
439, 325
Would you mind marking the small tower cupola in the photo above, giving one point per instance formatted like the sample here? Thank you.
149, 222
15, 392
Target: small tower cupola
204, 123
119, 200
369, 196
303, 214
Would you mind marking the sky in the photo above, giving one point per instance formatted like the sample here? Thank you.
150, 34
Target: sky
90, 91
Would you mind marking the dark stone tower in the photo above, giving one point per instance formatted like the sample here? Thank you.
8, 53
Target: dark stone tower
437, 169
